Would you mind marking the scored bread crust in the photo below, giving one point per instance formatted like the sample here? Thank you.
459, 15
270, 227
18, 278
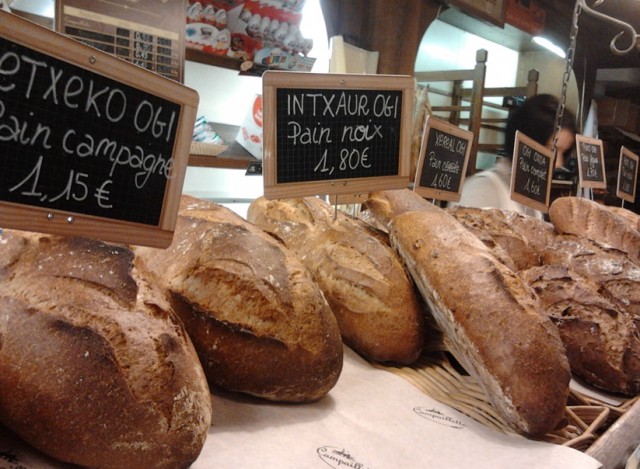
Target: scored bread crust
584, 217
632, 219
385, 205
363, 279
95, 368
492, 321
258, 321
617, 276
602, 340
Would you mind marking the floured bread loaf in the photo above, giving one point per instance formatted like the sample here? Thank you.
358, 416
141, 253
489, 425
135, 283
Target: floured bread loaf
617, 277
538, 233
584, 217
95, 369
602, 341
492, 321
491, 226
258, 321
363, 279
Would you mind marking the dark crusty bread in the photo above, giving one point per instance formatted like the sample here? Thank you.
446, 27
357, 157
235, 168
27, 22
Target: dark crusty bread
538, 232
363, 279
617, 277
95, 369
491, 226
584, 217
492, 321
602, 341
258, 321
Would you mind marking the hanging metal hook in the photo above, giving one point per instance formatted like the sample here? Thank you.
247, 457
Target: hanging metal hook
626, 28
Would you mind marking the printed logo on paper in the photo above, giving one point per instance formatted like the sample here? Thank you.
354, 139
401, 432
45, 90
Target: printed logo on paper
339, 458
436, 416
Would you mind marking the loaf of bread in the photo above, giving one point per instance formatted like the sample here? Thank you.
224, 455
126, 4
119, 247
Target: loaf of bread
617, 277
363, 279
538, 232
383, 206
602, 340
257, 319
584, 217
492, 321
491, 226
632, 219
95, 368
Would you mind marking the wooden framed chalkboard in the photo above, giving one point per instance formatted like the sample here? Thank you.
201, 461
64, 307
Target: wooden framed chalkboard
90, 145
442, 164
335, 133
627, 175
531, 173
591, 172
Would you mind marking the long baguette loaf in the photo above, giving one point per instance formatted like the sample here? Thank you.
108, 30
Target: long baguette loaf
258, 321
363, 279
493, 323
602, 340
95, 368
584, 217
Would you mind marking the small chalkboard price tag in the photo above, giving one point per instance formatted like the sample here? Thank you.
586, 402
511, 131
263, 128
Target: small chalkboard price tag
335, 133
442, 164
591, 172
90, 145
627, 175
531, 174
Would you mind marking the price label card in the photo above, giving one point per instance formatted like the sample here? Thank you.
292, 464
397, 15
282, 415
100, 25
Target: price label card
442, 164
148, 33
335, 134
591, 172
90, 145
627, 175
531, 174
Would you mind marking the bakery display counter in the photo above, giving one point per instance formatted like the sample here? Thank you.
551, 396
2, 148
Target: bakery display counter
380, 416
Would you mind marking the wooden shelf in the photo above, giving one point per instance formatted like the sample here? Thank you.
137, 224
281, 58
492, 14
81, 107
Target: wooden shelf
234, 157
195, 55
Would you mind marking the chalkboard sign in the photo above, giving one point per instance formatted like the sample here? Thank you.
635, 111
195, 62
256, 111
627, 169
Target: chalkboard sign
335, 134
591, 172
627, 175
531, 174
90, 145
442, 164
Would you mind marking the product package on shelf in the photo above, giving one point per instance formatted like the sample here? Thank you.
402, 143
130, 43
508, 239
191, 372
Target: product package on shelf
250, 134
207, 24
268, 33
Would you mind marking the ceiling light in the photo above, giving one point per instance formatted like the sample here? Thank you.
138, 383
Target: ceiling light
547, 44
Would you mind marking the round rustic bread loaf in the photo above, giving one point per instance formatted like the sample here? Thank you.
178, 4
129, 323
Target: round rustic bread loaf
584, 217
95, 368
362, 278
258, 320
602, 340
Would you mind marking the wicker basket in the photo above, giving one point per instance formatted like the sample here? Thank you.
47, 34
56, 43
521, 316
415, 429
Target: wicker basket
436, 375
206, 149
